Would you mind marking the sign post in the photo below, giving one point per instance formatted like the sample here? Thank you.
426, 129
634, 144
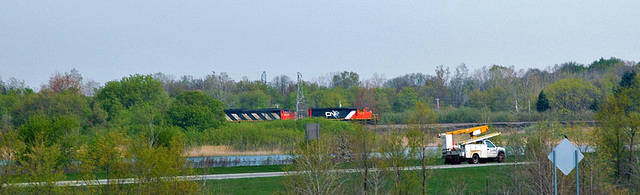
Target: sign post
555, 176
577, 173
565, 157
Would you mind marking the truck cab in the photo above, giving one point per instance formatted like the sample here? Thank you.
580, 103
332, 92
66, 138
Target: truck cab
482, 150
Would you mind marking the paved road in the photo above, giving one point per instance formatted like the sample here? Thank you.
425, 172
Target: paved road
237, 175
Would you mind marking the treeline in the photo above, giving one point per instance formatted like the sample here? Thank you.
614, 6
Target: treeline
502, 93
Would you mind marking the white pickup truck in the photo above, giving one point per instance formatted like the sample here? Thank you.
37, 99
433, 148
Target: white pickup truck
475, 150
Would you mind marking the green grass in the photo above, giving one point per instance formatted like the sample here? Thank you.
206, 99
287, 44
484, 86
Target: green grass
267, 185
477, 180
202, 171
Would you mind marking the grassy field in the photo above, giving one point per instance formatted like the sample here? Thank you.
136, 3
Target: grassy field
203, 171
268, 185
475, 180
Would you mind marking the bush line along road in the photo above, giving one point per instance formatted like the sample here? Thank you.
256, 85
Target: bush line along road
240, 175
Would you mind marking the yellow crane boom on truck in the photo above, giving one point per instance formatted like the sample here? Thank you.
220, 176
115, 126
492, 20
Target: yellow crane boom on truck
474, 149
473, 131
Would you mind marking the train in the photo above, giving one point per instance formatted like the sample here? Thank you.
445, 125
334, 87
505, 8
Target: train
346, 114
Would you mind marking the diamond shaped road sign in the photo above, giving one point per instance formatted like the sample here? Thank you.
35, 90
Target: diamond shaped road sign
565, 156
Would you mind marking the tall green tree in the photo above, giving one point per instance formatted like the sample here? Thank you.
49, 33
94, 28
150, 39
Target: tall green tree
50, 104
104, 155
345, 80
543, 103
627, 81
254, 99
156, 166
405, 99
573, 94
61, 133
324, 97
603, 64
131, 91
193, 109
12, 147
498, 99
618, 129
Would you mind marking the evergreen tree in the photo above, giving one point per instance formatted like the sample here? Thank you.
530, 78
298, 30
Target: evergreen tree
627, 80
543, 103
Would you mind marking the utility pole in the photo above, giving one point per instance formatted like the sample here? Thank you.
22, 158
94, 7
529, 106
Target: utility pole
300, 103
438, 104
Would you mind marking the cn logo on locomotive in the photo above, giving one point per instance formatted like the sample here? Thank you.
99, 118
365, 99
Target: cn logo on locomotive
333, 114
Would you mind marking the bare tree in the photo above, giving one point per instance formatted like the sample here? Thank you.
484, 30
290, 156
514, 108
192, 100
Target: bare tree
362, 147
396, 158
418, 137
459, 84
221, 87
89, 87
314, 170
282, 83
375, 81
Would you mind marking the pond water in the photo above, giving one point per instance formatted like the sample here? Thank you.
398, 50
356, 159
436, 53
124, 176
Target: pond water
235, 161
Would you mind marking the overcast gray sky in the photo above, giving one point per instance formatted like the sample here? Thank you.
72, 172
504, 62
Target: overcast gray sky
107, 40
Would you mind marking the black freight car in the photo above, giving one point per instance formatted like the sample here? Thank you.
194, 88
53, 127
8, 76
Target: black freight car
334, 113
268, 114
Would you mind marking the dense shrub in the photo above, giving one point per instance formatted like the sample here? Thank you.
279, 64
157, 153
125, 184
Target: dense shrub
461, 115
281, 134
394, 117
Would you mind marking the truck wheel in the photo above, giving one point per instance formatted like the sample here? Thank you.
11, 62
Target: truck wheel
475, 159
500, 157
